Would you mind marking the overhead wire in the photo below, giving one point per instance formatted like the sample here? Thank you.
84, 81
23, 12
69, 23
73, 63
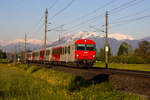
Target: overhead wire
40, 24
124, 6
53, 4
123, 22
63, 9
93, 11
94, 18
139, 1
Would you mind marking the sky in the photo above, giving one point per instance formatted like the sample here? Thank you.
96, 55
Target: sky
17, 17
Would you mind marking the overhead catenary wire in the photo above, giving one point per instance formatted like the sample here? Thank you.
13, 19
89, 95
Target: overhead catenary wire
93, 18
125, 17
124, 6
133, 2
53, 4
93, 11
133, 14
123, 22
63, 9
40, 25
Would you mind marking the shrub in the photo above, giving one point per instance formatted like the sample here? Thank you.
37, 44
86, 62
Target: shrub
33, 69
128, 60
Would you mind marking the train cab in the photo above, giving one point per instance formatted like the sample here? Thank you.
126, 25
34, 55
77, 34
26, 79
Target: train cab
85, 51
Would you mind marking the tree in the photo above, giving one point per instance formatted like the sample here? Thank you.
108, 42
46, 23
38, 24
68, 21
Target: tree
101, 54
3, 55
143, 50
124, 49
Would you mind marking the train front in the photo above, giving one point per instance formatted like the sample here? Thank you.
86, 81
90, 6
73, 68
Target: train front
85, 51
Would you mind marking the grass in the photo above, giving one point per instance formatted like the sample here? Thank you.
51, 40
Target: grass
4, 60
27, 82
139, 67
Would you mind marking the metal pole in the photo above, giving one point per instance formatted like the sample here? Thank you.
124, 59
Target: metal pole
106, 42
45, 37
25, 46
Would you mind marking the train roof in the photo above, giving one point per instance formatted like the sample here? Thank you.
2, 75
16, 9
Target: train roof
84, 41
79, 41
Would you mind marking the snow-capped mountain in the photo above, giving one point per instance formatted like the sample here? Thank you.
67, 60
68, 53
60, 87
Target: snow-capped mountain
118, 36
30, 41
114, 41
67, 38
18, 45
146, 38
87, 35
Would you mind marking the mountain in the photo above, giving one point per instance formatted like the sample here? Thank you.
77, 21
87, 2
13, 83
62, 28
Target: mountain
146, 38
18, 45
114, 41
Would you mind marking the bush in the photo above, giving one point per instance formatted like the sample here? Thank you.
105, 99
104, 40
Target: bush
33, 69
128, 60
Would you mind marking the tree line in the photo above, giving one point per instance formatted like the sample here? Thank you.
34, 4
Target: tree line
126, 54
3, 55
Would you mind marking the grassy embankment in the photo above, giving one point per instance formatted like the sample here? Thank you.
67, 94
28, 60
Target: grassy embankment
26, 82
139, 67
4, 60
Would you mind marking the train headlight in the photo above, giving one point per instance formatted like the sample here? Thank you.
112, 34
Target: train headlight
93, 56
77, 55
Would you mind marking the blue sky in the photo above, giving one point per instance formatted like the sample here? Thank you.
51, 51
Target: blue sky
20, 16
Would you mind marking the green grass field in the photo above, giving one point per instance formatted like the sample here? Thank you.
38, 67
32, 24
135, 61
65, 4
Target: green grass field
139, 67
26, 82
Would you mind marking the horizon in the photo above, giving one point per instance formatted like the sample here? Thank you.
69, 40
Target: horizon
113, 35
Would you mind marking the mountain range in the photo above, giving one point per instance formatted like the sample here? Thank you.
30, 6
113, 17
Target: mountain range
34, 44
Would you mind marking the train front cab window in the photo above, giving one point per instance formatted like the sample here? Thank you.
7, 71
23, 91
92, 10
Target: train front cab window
88, 47
80, 46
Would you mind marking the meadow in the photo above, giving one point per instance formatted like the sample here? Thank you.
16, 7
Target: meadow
28, 82
139, 67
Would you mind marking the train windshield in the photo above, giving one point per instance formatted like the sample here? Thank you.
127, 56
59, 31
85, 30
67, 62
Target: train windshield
80, 47
90, 47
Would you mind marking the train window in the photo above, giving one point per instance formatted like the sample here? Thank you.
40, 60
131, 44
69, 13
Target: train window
47, 52
90, 47
62, 50
80, 46
66, 49
36, 53
42, 53
69, 49
56, 51
59, 50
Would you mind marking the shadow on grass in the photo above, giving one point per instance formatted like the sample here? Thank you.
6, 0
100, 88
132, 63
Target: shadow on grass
80, 82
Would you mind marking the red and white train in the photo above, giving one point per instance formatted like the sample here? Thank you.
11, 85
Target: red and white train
80, 52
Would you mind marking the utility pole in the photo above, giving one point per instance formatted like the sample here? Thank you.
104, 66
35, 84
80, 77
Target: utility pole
106, 42
45, 36
25, 46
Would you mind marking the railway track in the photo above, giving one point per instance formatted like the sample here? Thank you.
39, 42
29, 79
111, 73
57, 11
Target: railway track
122, 71
109, 71
129, 81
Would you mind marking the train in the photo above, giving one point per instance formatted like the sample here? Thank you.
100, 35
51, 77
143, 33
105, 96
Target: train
79, 52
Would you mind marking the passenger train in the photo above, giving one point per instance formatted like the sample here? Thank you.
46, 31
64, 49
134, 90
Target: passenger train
80, 52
